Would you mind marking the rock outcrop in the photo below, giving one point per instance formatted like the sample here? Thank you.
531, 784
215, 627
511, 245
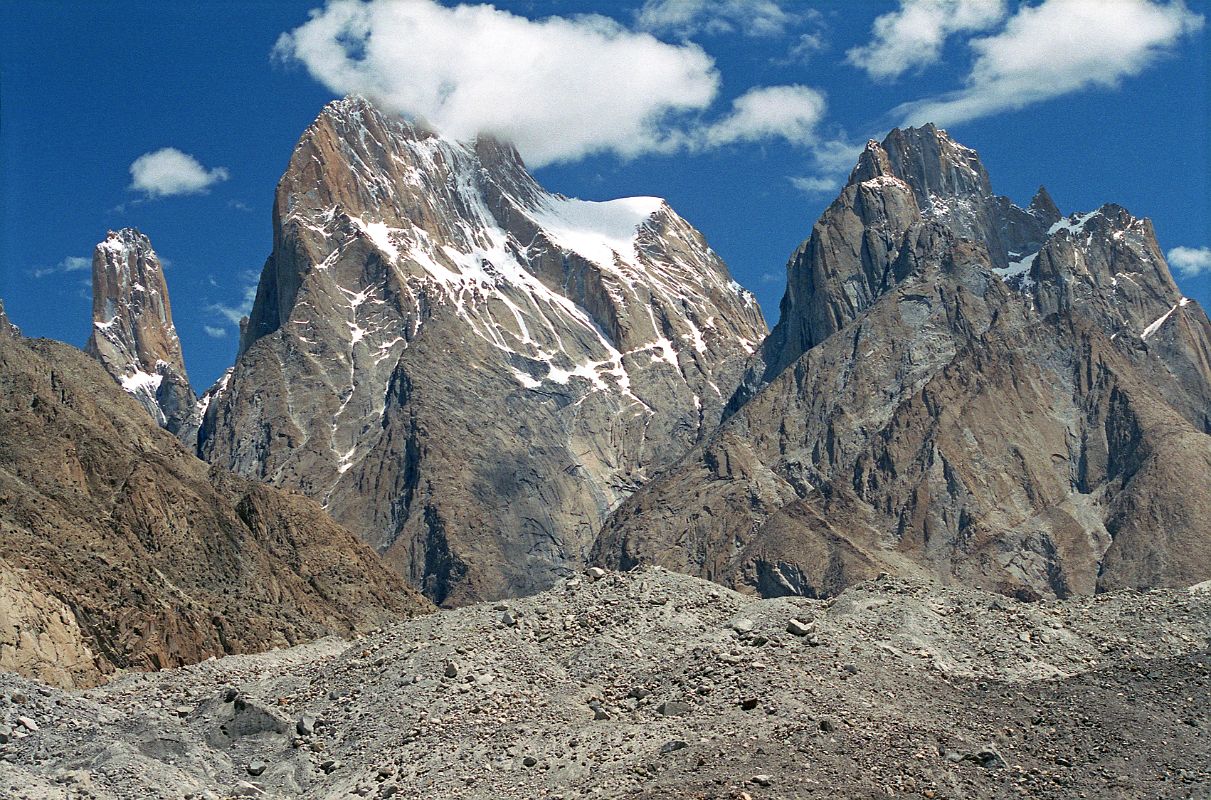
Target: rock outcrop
7, 328
466, 369
119, 549
133, 334
999, 396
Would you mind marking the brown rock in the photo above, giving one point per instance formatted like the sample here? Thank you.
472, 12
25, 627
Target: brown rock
956, 387
466, 369
119, 549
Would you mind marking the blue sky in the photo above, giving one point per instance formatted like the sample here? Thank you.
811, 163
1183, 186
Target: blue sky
743, 113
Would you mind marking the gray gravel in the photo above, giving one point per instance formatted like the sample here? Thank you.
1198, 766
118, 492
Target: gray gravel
651, 684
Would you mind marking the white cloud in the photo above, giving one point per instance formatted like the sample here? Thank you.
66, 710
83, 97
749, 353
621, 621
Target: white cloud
815, 184
69, 264
912, 36
1057, 47
769, 112
557, 88
234, 313
215, 333
687, 18
168, 171
832, 160
1191, 261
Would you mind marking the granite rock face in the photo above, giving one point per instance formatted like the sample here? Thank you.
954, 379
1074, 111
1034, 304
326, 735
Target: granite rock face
466, 369
7, 328
999, 396
119, 549
133, 334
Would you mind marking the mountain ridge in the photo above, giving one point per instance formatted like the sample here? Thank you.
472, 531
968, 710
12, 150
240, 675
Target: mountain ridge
929, 404
609, 333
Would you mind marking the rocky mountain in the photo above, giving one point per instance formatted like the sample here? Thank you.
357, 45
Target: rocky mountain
119, 549
133, 334
465, 368
7, 328
999, 396
649, 684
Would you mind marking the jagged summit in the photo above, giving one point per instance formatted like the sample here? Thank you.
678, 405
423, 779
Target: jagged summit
420, 288
133, 334
999, 396
928, 160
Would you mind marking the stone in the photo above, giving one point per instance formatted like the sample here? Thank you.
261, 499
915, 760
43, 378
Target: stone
797, 628
305, 725
595, 573
673, 746
529, 761
256, 767
987, 757
27, 723
749, 703
742, 626
674, 708
762, 780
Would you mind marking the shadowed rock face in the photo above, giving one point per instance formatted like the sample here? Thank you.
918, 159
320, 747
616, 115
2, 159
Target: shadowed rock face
120, 549
466, 369
999, 396
133, 334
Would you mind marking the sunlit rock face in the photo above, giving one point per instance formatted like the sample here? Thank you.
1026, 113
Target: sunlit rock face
991, 395
466, 369
133, 335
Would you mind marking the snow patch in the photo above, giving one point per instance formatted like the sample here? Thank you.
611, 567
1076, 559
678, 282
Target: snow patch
1155, 326
1074, 223
1017, 270
600, 231
141, 381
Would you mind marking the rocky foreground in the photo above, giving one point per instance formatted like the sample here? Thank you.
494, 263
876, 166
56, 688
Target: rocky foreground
652, 684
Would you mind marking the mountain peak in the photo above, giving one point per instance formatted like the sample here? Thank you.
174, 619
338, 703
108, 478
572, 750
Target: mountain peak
1043, 206
133, 333
928, 160
417, 287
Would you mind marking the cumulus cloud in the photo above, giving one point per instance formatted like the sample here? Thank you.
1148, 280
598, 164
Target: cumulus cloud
558, 88
68, 264
1191, 261
832, 159
912, 36
769, 112
1055, 48
814, 185
687, 18
234, 313
215, 333
168, 171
